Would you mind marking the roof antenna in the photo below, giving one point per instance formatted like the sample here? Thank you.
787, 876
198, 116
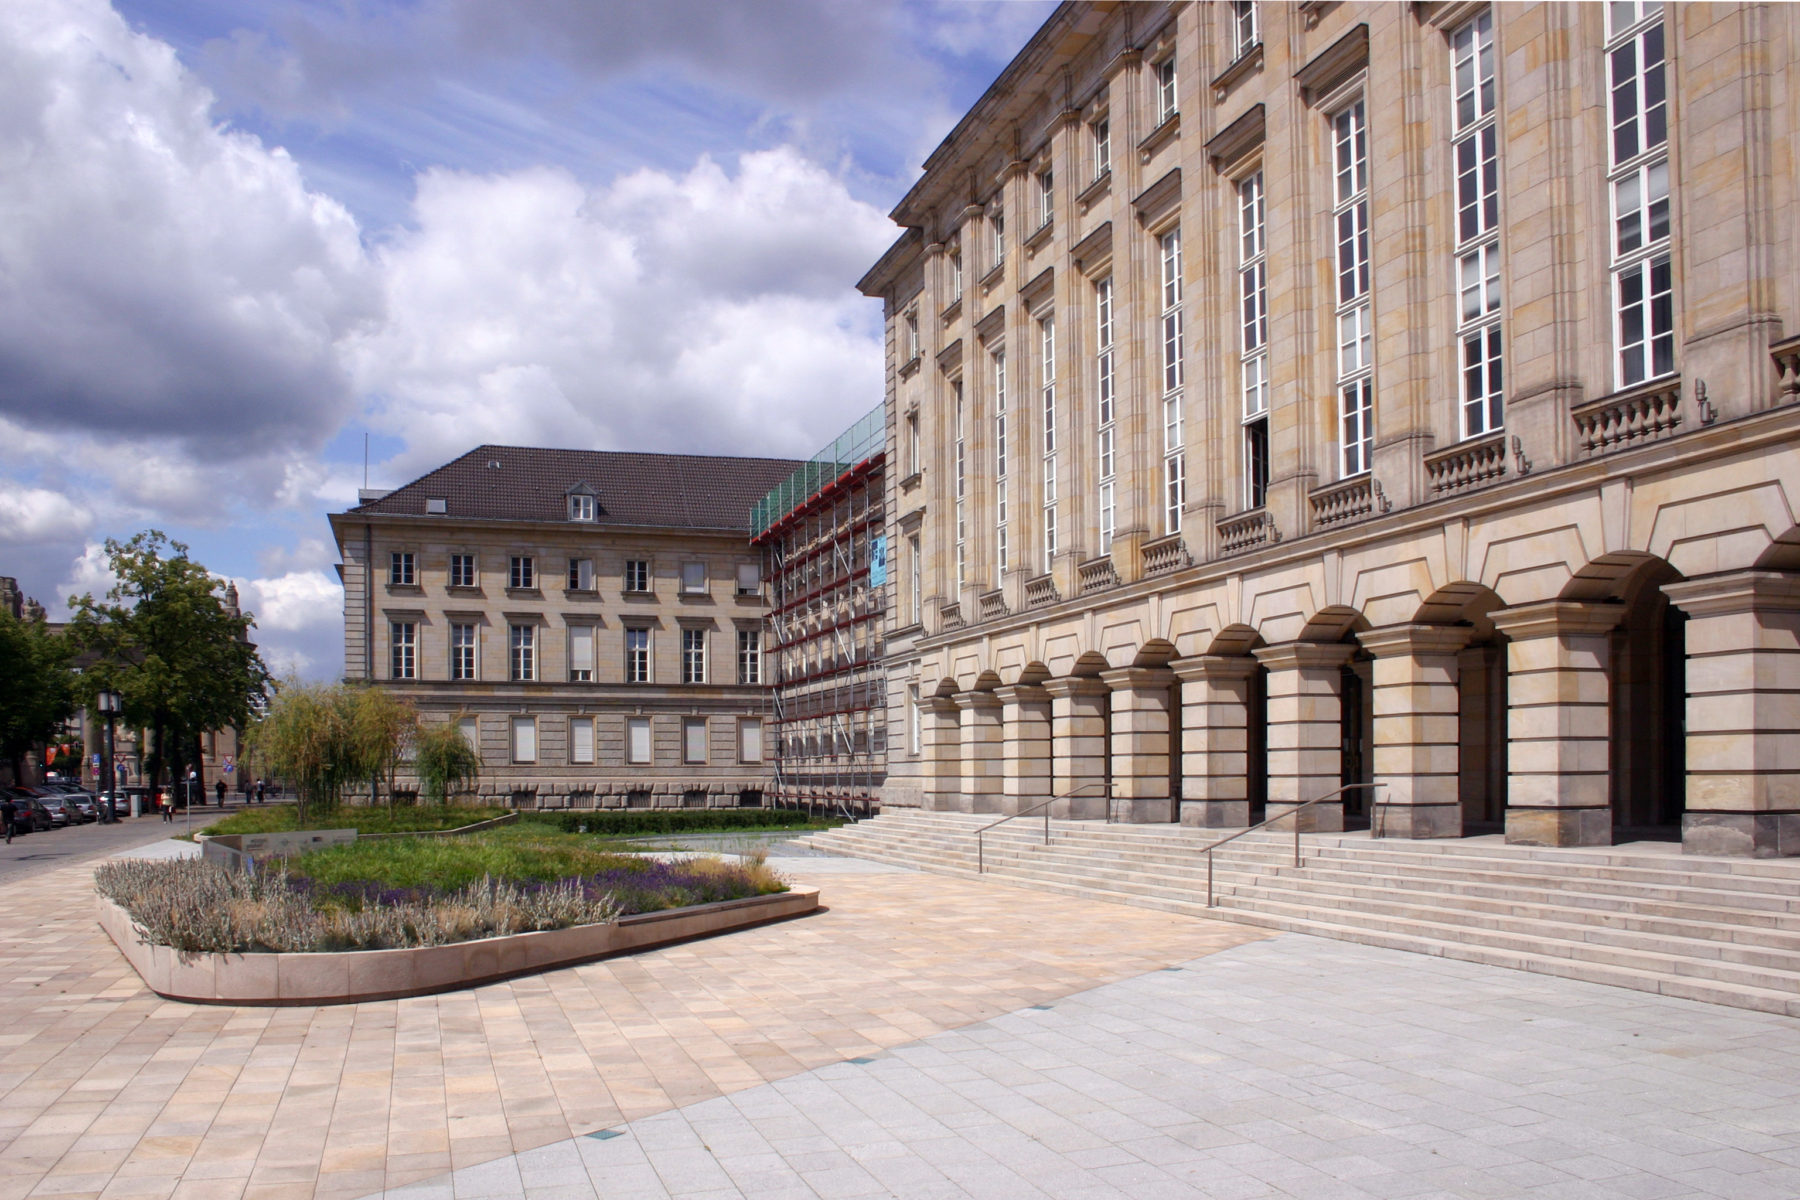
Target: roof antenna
365, 458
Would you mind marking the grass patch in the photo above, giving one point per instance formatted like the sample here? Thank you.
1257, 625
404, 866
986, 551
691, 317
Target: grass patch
282, 818
649, 822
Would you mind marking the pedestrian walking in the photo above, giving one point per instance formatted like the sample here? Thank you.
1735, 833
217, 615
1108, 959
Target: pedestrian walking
9, 812
167, 801
219, 791
259, 791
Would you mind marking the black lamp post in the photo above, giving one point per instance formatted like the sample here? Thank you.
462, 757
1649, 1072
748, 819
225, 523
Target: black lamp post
109, 702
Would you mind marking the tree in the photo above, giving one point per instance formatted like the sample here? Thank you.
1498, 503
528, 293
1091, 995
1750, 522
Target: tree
39, 694
382, 728
444, 761
168, 642
324, 738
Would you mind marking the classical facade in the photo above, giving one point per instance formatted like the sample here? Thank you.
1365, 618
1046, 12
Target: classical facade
593, 620
1284, 396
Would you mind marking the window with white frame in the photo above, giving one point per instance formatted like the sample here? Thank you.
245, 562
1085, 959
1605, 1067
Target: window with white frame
1253, 337
637, 575
1001, 482
1350, 224
463, 651
1046, 193
1106, 436
1164, 74
637, 655
524, 739
1476, 157
581, 741
403, 649
961, 506
1047, 411
912, 336
462, 570
915, 580
693, 578
693, 655
581, 507
956, 275
637, 739
581, 653
523, 645
1246, 29
1638, 176
523, 572
913, 461
913, 730
749, 655
1173, 376
400, 569
693, 739
581, 574
1100, 144
750, 731
997, 230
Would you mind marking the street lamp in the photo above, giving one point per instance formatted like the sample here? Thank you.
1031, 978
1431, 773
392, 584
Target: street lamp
109, 703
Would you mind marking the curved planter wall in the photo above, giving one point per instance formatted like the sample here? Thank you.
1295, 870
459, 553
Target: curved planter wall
350, 976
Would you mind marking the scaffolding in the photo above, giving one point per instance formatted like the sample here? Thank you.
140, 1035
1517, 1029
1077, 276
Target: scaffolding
823, 537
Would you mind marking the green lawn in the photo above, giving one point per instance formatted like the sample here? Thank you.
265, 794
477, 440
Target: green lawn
281, 818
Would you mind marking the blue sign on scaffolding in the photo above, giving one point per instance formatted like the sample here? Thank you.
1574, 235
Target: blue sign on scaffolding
878, 560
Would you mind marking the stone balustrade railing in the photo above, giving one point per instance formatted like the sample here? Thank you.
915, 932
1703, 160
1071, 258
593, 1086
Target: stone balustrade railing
1342, 503
1787, 370
1466, 465
1096, 574
1040, 591
1643, 414
1165, 554
1246, 531
950, 617
992, 605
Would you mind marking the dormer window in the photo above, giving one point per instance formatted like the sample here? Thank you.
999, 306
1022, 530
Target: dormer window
581, 506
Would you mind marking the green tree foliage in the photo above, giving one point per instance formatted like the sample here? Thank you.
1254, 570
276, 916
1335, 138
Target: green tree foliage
325, 738
167, 642
444, 761
38, 693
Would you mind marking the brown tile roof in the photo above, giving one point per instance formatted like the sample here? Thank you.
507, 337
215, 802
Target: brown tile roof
523, 483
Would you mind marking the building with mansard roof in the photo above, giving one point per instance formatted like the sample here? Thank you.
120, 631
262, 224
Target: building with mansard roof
1290, 396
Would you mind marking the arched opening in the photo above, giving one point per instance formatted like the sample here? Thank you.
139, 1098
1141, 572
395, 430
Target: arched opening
1481, 702
1156, 653
1356, 710
1237, 641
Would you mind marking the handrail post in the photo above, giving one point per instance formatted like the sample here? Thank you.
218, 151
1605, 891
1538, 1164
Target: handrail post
1209, 890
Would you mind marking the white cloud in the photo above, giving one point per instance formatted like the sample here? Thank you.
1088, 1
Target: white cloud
90, 574
294, 602
29, 514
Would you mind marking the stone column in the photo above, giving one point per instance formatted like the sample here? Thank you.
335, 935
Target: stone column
1141, 743
1215, 739
1306, 729
1743, 713
981, 766
1078, 747
1417, 727
1025, 747
1558, 722
940, 744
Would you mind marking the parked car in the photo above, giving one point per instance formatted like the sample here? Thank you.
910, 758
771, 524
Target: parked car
58, 805
85, 810
30, 814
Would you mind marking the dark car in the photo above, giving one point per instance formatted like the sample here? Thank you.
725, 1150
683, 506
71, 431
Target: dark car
30, 814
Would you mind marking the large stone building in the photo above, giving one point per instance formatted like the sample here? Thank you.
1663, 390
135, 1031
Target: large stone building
1290, 395
594, 620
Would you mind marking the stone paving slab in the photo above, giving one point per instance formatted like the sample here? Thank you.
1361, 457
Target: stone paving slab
1292, 1067
107, 1091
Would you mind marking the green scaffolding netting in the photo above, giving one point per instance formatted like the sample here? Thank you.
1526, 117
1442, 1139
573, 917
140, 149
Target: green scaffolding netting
856, 445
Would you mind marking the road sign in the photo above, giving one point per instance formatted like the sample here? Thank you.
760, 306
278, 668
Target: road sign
228, 764
96, 760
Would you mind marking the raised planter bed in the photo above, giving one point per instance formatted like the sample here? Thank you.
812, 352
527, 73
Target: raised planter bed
347, 977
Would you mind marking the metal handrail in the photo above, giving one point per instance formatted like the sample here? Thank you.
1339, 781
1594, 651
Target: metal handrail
1042, 805
1293, 812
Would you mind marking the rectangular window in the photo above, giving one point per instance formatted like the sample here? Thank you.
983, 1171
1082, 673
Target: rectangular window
1047, 406
913, 730
1244, 32
1256, 463
693, 739
749, 578
1474, 149
403, 649
524, 739
916, 571
1646, 307
523, 573
581, 508
1640, 113
1100, 139
523, 641
914, 463
400, 568
581, 740
1173, 373
462, 652
581, 653
693, 656
1165, 89
1103, 391
581, 574
1355, 317
470, 728
1482, 380
997, 227
1046, 182
961, 493
912, 336
637, 575
1000, 468
750, 739
637, 739
462, 570
1356, 412
637, 656
693, 578
1253, 337
1643, 272
749, 656
956, 277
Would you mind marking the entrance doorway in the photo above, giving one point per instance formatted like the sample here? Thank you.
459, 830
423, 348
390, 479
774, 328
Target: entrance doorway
1357, 738
1649, 715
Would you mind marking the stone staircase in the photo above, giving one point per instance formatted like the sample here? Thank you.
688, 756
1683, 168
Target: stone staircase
1643, 916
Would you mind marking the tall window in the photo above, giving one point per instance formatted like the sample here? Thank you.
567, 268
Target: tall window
913, 462
1047, 406
750, 739
916, 578
1245, 30
462, 652
962, 491
1165, 89
749, 656
581, 574
956, 275
581, 740
403, 649
1253, 338
400, 568
637, 655
523, 573
581, 653
693, 656
637, 739
1643, 279
1355, 359
1105, 411
523, 642
1173, 374
1475, 151
462, 570
637, 575
1000, 468
1100, 141
997, 226
524, 739
693, 739
1046, 183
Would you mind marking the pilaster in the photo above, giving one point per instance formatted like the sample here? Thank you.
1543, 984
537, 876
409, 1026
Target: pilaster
1141, 699
1306, 729
1078, 758
1024, 746
1416, 729
1215, 739
940, 744
981, 763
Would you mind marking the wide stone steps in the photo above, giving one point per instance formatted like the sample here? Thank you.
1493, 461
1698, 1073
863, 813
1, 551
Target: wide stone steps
1725, 931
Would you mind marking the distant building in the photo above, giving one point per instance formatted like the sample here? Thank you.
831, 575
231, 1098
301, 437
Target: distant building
593, 620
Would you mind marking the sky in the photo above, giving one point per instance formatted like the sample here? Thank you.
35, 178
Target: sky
239, 239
